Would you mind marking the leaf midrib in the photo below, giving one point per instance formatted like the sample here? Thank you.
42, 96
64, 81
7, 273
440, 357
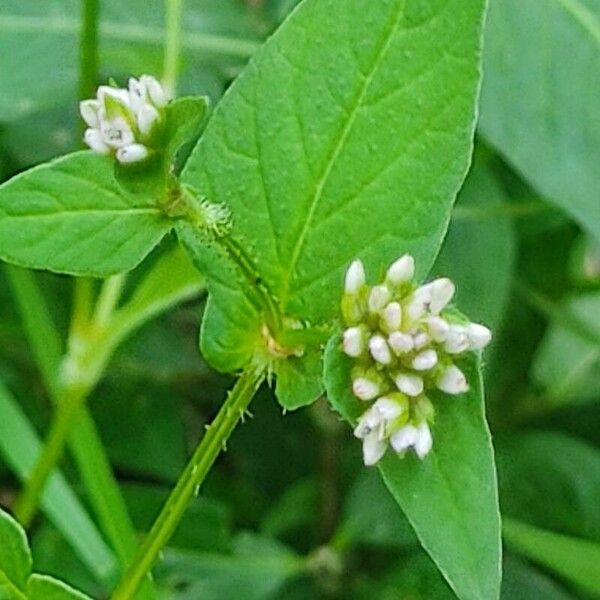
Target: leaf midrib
131, 32
323, 179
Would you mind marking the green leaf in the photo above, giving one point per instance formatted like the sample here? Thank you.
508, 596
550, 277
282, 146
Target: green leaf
477, 238
551, 480
450, 498
19, 445
38, 46
43, 587
15, 558
572, 558
567, 365
71, 216
540, 110
346, 136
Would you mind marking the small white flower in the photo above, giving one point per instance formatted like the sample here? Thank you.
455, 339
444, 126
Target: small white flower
116, 133
365, 389
421, 339
457, 340
417, 304
452, 381
392, 316
442, 291
401, 270
353, 341
147, 117
425, 360
400, 343
355, 277
93, 138
409, 436
379, 349
389, 408
132, 154
409, 384
378, 298
374, 448
479, 336
438, 329
89, 112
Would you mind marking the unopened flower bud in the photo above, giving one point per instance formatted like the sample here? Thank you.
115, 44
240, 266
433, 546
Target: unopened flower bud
378, 298
479, 336
424, 440
355, 277
421, 339
457, 340
379, 349
89, 112
392, 316
438, 329
400, 343
409, 384
452, 381
442, 291
354, 341
365, 389
147, 118
401, 270
132, 154
93, 138
404, 438
390, 407
425, 360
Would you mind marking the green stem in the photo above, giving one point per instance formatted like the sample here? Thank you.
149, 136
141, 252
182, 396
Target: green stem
26, 505
88, 49
192, 477
108, 299
83, 298
173, 14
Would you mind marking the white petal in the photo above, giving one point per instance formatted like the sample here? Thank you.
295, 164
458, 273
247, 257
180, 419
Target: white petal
420, 340
89, 112
424, 441
442, 291
404, 438
119, 95
479, 336
93, 138
379, 349
132, 154
155, 91
388, 408
353, 342
401, 343
452, 381
378, 298
116, 133
137, 94
438, 328
401, 270
365, 389
392, 316
355, 277
425, 360
457, 340
409, 384
147, 116
373, 448
418, 303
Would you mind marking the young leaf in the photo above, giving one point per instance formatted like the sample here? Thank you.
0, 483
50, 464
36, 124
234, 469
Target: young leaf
450, 497
71, 216
348, 135
540, 110
15, 558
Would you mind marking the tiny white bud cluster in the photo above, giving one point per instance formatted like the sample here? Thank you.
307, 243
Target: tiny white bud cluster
125, 122
404, 344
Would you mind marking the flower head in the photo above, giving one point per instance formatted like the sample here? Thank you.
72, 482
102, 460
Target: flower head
405, 343
125, 123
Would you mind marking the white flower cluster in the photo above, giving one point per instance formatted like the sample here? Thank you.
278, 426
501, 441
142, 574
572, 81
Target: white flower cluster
404, 344
125, 122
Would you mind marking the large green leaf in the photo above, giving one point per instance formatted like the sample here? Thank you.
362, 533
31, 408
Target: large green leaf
39, 46
346, 136
451, 497
43, 587
15, 558
540, 98
71, 216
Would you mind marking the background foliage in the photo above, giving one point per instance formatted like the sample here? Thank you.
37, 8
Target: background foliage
289, 512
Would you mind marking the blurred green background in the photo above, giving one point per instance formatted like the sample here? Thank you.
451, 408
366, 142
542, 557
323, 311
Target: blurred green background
289, 512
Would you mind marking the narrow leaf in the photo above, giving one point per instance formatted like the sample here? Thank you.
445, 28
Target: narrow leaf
43, 587
450, 497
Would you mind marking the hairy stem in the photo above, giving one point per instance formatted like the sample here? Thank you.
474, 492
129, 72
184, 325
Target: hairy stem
173, 14
212, 443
